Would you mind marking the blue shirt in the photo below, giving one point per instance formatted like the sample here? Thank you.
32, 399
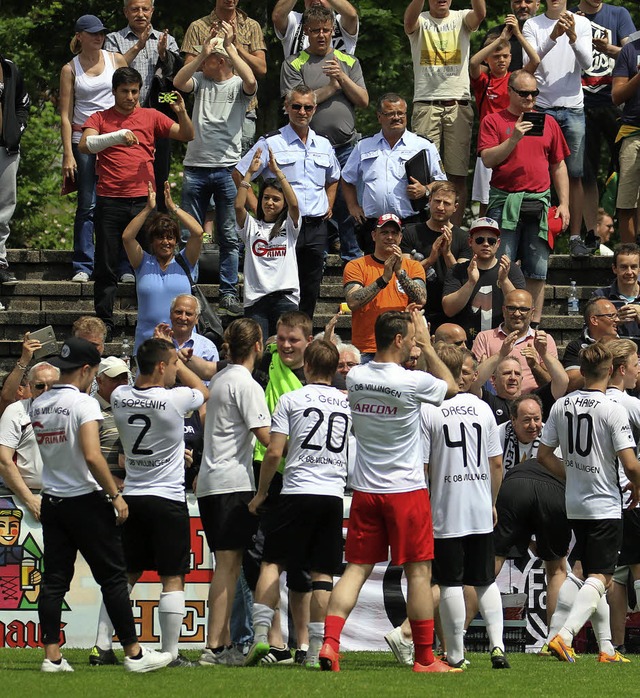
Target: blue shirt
156, 289
379, 172
615, 24
627, 67
309, 167
202, 347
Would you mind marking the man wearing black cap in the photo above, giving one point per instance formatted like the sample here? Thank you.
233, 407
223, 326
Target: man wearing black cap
79, 497
367, 286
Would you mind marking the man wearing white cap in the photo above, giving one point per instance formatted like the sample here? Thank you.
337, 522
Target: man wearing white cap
368, 288
224, 85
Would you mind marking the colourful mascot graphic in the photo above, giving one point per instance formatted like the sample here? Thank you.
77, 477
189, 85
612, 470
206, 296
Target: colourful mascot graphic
20, 564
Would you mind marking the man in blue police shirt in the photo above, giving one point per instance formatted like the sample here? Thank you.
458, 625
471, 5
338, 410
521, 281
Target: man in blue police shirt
378, 162
310, 166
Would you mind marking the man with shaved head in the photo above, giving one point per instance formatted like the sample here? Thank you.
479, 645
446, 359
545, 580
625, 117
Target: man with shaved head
450, 333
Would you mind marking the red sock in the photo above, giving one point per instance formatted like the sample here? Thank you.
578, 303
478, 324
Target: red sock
333, 627
422, 631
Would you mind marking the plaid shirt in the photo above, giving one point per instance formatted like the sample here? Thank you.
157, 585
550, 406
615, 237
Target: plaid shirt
248, 34
147, 60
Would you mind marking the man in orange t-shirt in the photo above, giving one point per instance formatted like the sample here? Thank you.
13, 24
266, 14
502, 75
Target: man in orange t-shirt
381, 281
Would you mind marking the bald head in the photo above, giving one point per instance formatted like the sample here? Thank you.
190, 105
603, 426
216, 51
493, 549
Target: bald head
517, 311
450, 333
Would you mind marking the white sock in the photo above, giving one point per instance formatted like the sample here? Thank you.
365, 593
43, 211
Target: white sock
104, 635
566, 598
262, 618
490, 604
316, 634
583, 607
602, 626
452, 615
170, 614
636, 588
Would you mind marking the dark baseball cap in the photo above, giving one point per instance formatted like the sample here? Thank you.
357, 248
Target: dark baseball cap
75, 353
90, 24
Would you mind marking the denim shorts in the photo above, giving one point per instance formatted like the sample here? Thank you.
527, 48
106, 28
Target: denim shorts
524, 244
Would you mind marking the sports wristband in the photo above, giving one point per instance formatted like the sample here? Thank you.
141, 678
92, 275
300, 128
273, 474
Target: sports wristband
381, 283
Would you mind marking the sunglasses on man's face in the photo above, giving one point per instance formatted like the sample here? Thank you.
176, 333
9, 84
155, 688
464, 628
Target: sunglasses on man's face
305, 107
525, 93
481, 240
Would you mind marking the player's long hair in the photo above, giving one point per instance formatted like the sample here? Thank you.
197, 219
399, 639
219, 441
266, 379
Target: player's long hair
282, 216
240, 338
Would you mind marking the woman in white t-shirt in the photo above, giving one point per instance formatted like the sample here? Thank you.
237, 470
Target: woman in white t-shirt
85, 88
271, 285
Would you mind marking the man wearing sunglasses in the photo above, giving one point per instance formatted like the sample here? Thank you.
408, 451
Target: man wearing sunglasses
20, 460
309, 163
524, 165
336, 78
474, 290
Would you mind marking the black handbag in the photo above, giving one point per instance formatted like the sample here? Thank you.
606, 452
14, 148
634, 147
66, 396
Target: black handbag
209, 323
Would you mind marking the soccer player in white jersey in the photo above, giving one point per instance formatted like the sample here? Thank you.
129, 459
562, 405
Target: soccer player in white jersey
237, 414
79, 497
150, 419
463, 459
591, 430
305, 526
390, 507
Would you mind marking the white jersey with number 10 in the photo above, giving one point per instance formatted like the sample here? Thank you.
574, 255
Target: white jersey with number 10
590, 429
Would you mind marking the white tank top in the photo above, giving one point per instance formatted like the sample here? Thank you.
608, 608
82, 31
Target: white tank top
92, 93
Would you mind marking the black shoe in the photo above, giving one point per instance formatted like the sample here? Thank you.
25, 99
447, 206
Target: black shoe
181, 662
591, 241
499, 659
300, 657
278, 655
7, 276
577, 249
98, 657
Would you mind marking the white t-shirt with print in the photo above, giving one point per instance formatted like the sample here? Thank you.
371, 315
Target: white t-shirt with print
17, 434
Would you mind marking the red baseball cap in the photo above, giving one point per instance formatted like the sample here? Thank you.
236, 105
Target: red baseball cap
389, 218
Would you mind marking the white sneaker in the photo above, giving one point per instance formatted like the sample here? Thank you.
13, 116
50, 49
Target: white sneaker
50, 667
401, 648
81, 277
127, 279
150, 661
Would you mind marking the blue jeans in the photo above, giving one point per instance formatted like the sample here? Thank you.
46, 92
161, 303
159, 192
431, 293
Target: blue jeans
571, 121
241, 621
83, 247
267, 310
199, 185
523, 244
349, 248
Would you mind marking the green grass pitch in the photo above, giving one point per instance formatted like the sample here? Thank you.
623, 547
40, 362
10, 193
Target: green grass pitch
363, 674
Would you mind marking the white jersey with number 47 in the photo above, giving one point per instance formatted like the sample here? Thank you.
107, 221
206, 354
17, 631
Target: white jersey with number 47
459, 437
317, 419
590, 429
150, 422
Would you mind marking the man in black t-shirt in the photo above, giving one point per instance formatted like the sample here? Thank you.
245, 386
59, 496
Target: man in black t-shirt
473, 293
441, 245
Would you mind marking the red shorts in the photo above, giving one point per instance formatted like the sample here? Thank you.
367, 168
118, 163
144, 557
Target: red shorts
399, 520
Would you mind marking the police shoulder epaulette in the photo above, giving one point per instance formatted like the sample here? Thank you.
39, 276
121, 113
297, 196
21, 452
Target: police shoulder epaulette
272, 133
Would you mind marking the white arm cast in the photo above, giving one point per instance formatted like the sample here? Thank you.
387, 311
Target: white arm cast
97, 143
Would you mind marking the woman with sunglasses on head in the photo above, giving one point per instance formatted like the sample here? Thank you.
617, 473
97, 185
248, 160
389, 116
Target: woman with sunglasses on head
159, 277
85, 87
271, 285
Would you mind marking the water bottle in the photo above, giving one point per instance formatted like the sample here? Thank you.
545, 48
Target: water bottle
126, 351
418, 256
573, 302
